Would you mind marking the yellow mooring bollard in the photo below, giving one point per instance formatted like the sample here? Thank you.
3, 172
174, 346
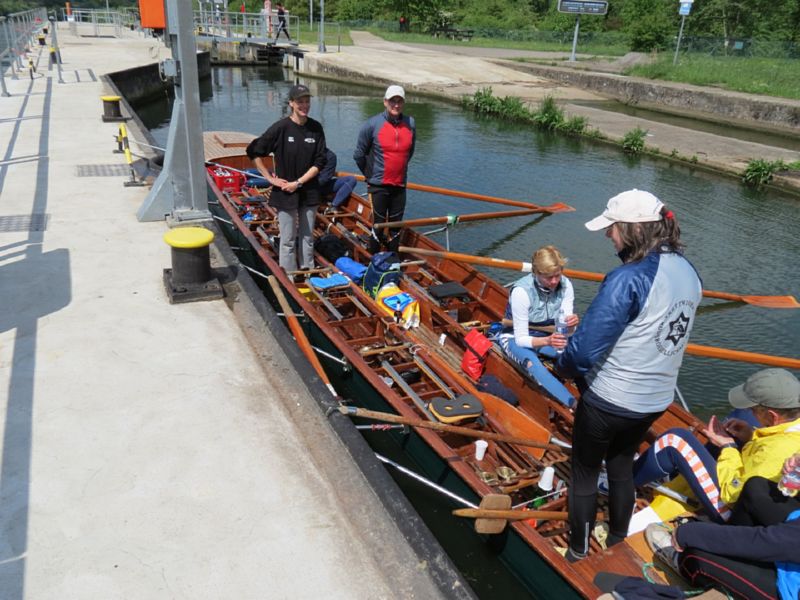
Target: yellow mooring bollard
111, 109
124, 146
190, 278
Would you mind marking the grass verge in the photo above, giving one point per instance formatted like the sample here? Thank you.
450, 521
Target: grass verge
768, 76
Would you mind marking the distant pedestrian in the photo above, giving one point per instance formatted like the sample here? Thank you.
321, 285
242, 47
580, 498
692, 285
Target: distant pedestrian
403, 24
281, 22
298, 145
384, 148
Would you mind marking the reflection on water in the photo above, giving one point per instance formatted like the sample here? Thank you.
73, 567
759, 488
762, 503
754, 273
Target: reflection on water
740, 240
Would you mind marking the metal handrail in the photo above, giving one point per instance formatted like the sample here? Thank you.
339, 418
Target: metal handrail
18, 31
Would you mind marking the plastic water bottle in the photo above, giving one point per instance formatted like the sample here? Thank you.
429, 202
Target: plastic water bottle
561, 325
789, 485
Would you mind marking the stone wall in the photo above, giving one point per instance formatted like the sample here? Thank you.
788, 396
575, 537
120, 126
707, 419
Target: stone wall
769, 113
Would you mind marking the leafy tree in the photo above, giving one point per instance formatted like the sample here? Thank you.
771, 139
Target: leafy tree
651, 24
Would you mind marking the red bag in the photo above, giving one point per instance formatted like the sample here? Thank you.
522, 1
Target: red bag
478, 346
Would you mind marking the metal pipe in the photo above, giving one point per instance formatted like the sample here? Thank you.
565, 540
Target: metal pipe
425, 481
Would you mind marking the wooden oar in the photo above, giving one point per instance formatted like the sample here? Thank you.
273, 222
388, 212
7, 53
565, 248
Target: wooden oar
299, 334
693, 349
525, 267
741, 356
453, 219
465, 431
552, 208
495, 511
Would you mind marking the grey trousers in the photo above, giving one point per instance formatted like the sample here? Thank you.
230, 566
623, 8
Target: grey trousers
293, 224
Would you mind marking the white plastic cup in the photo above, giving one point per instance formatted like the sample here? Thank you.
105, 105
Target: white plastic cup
546, 480
480, 449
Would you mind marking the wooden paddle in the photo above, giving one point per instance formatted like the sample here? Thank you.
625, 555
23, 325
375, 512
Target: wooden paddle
299, 334
465, 431
495, 511
525, 267
452, 219
552, 208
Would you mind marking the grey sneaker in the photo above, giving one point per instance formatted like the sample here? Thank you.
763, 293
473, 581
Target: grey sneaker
659, 539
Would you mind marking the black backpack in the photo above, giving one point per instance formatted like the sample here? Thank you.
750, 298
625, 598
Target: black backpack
383, 268
331, 247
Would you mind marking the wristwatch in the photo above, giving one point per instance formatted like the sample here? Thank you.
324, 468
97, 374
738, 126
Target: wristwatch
299, 184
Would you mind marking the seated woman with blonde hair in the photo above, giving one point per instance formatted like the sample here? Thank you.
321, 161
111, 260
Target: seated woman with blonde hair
534, 301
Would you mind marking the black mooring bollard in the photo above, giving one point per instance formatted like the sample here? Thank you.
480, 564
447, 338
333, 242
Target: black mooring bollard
111, 109
190, 277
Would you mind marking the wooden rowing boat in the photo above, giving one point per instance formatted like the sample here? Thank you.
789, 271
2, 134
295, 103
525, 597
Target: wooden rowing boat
403, 370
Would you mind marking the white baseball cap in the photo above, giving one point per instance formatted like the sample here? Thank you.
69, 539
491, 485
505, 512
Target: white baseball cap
633, 206
394, 90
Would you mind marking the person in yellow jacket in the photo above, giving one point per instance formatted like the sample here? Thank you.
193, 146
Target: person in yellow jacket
773, 395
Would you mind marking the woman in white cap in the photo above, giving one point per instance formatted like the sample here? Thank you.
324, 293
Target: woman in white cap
385, 146
628, 348
298, 145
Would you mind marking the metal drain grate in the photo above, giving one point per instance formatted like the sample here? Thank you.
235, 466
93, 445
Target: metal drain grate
102, 170
34, 222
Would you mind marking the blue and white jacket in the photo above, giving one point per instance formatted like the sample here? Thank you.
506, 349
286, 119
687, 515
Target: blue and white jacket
630, 344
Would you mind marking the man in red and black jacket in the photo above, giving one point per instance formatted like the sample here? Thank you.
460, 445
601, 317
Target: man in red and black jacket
385, 145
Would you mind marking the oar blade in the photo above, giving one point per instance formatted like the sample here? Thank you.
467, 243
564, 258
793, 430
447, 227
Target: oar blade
772, 301
558, 207
493, 502
515, 422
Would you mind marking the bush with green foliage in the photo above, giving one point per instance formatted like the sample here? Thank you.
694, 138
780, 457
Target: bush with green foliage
633, 141
759, 171
547, 116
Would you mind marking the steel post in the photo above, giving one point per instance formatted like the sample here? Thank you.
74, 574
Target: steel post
575, 37
321, 45
678, 45
180, 189
53, 26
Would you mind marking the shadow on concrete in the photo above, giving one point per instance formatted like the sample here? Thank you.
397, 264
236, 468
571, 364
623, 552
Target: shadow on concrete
30, 289
34, 287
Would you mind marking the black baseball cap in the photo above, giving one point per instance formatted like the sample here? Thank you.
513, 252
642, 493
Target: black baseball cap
298, 91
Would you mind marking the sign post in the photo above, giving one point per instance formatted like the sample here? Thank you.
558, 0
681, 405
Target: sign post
684, 9
578, 8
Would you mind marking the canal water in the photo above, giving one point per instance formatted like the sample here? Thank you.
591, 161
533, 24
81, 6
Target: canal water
740, 240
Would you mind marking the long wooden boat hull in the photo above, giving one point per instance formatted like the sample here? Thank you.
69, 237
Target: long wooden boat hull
391, 368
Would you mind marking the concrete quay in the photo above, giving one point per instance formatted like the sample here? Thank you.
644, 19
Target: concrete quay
450, 72
152, 450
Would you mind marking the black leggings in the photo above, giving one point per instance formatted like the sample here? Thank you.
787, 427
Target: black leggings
599, 435
743, 579
388, 205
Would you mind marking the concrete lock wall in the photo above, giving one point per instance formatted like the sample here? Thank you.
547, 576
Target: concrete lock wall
143, 83
774, 114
